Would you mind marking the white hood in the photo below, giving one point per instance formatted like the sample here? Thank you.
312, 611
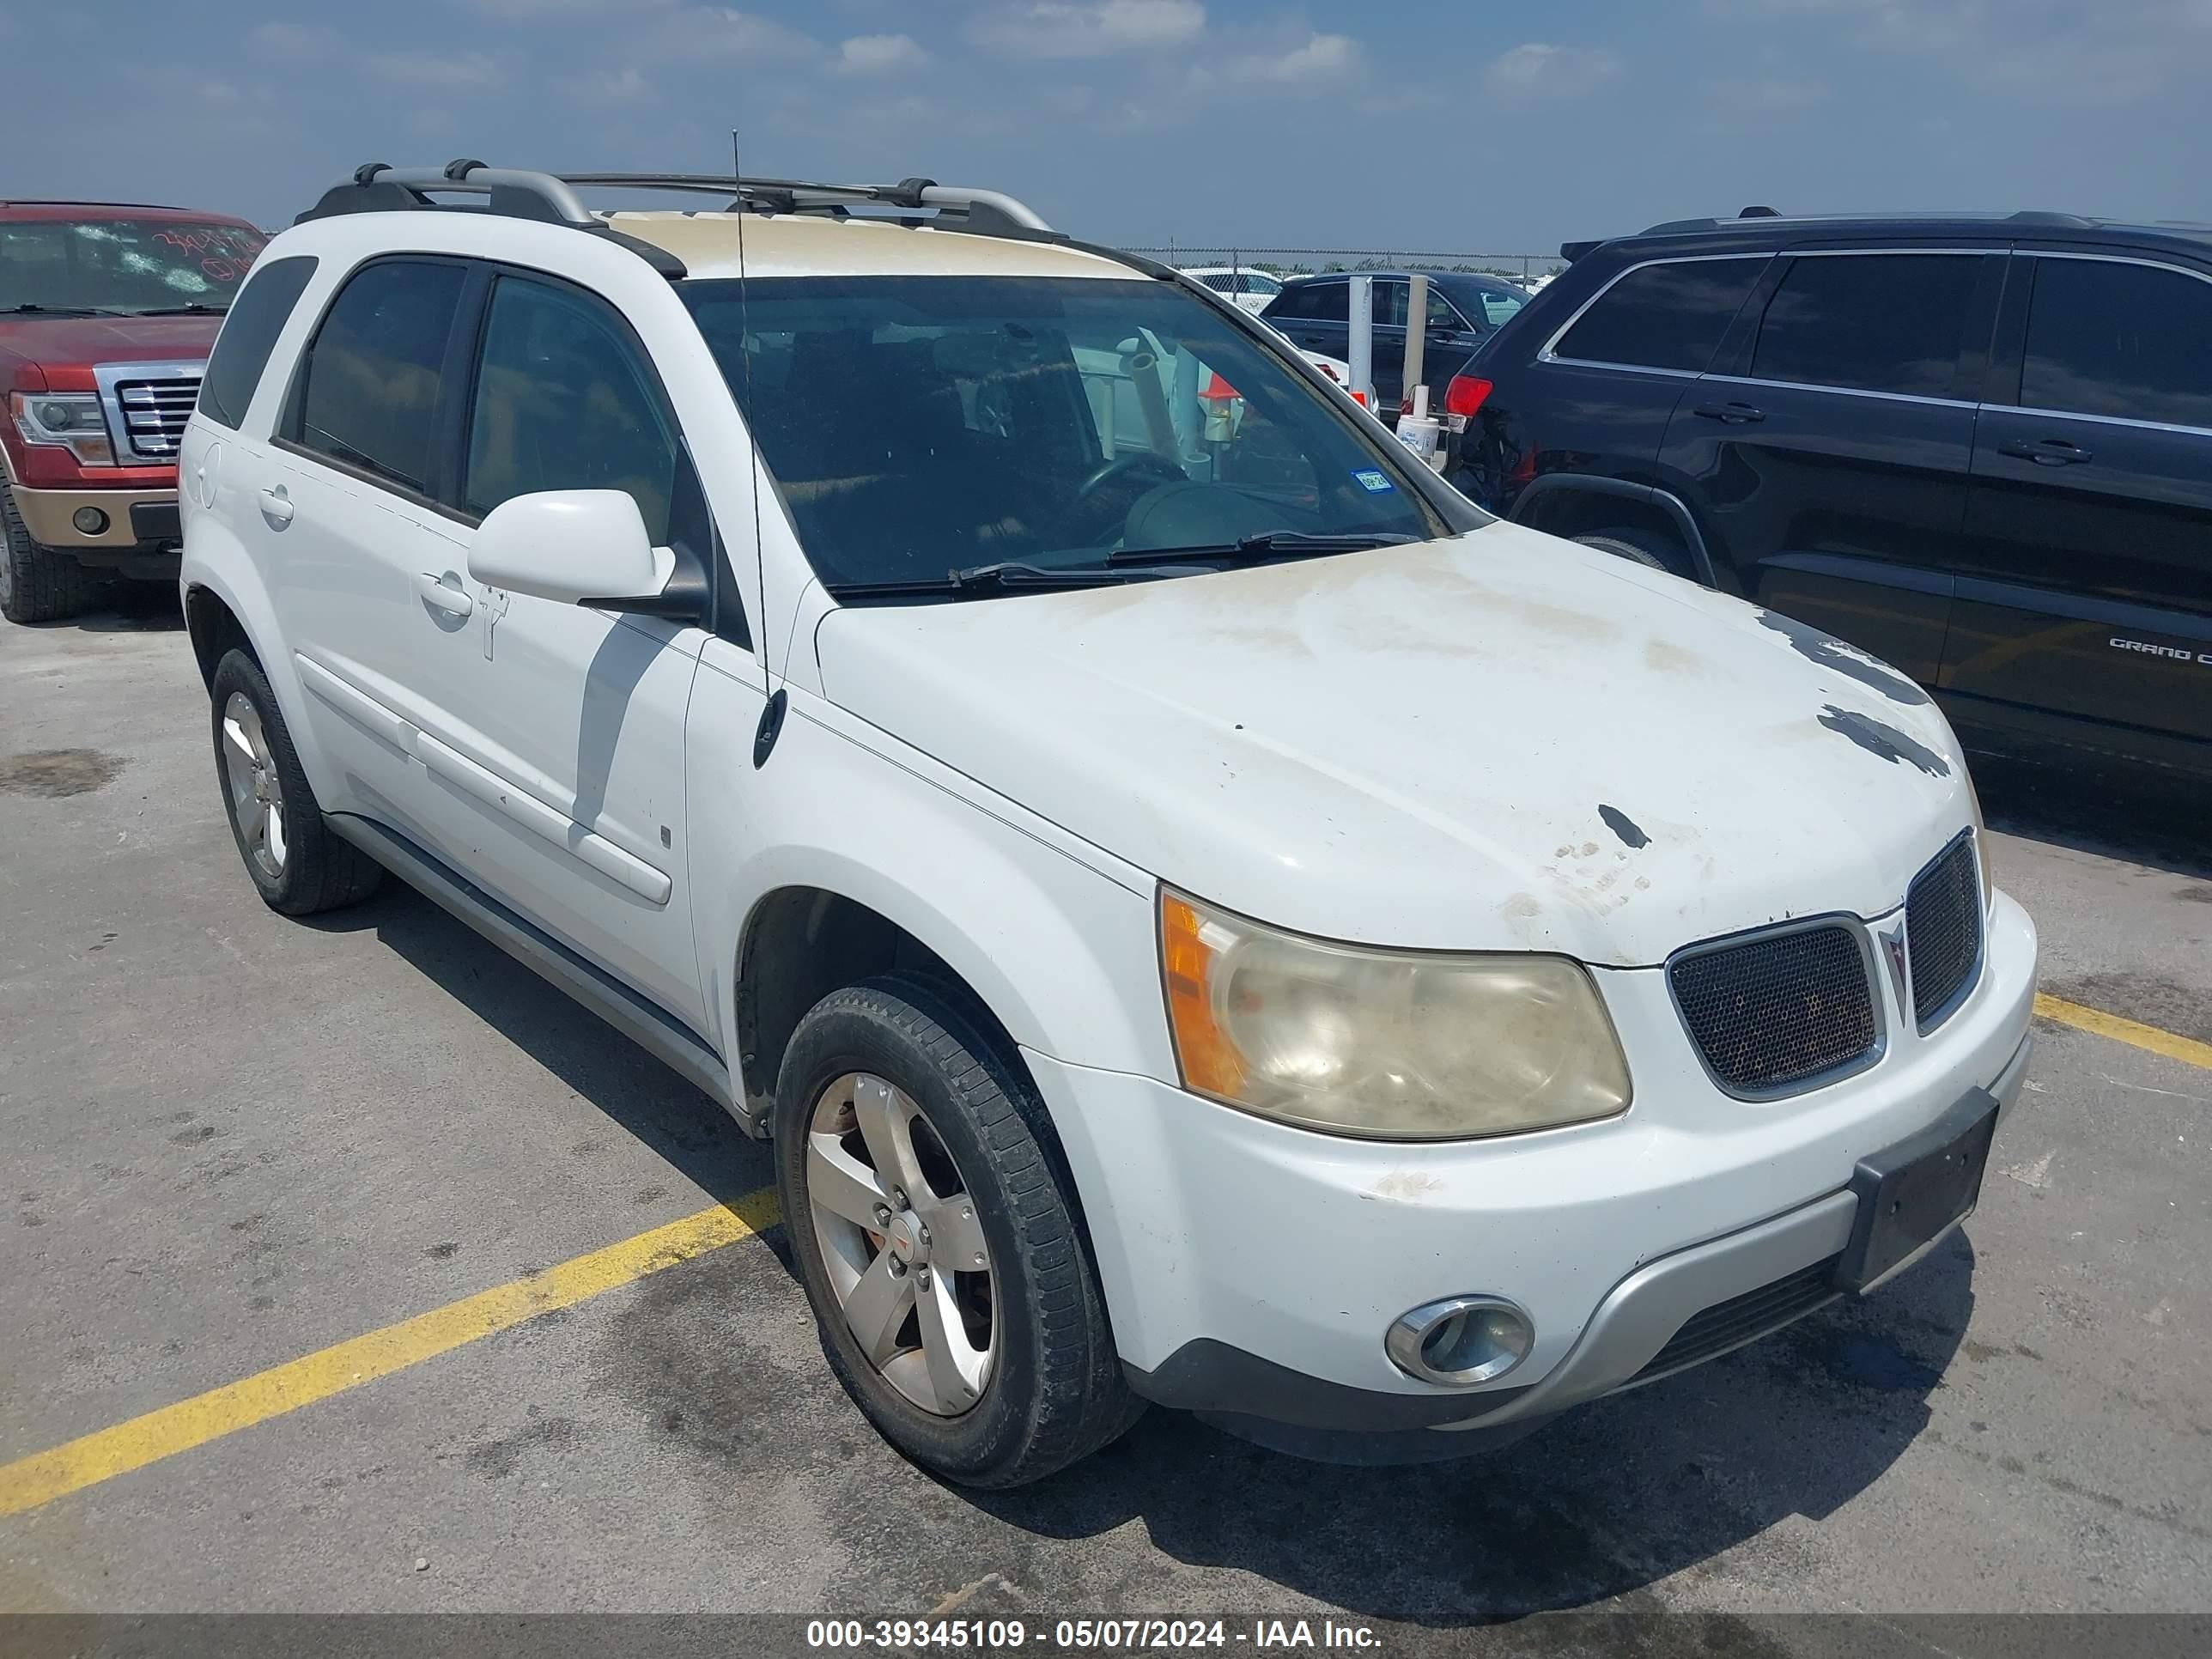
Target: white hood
1502, 741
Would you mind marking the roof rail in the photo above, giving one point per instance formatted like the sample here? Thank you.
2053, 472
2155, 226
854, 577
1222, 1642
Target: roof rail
987, 212
2031, 217
377, 187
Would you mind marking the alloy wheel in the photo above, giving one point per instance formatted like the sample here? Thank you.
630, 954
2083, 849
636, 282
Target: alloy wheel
257, 795
902, 1244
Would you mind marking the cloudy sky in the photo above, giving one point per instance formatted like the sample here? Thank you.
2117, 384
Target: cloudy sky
1450, 125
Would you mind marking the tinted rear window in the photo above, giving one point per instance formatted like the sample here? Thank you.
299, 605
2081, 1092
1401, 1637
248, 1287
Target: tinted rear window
249, 335
1664, 316
1873, 322
1318, 302
371, 375
2106, 338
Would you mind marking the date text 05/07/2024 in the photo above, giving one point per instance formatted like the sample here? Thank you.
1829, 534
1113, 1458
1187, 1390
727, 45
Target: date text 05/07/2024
1002, 1635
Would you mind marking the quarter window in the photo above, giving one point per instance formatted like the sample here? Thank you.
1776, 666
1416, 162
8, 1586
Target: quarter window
2107, 338
369, 394
1870, 322
249, 334
561, 403
1664, 316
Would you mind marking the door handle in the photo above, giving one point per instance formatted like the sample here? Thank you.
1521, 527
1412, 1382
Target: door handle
2048, 452
277, 507
439, 597
1730, 414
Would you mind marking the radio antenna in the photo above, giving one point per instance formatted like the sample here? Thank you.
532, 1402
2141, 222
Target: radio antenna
771, 719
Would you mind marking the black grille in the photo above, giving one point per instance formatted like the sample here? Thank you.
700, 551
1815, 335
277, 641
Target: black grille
1774, 1011
1742, 1319
154, 413
1943, 931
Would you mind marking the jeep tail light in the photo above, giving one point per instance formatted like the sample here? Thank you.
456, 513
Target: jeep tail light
1465, 395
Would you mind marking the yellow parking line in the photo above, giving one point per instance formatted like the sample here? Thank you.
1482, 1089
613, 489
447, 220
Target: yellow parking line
2188, 1050
106, 1453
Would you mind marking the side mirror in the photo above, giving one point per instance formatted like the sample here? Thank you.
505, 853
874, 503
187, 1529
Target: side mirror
573, 547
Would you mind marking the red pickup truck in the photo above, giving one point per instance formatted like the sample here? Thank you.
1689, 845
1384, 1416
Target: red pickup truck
106, 314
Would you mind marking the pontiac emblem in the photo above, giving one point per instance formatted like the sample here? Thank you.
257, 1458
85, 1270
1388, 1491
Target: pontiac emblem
1893, 945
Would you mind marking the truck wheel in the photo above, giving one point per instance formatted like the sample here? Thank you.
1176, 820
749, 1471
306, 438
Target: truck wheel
1655, 552
37, 583
933, 1228
297, 865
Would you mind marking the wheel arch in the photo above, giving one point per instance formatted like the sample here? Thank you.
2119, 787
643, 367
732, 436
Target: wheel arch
1572, 504
227, 604
828, 920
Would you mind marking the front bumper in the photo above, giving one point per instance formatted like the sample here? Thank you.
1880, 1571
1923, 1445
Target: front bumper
142, 534
1252, 1269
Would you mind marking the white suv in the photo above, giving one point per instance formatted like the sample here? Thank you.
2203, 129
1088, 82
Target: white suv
1204, 914
1241, 286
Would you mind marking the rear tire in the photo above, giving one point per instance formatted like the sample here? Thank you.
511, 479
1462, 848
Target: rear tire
1643, 547
37, 583
298, 865
972, 1135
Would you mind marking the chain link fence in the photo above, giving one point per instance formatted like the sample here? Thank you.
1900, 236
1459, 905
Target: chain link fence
1306, 261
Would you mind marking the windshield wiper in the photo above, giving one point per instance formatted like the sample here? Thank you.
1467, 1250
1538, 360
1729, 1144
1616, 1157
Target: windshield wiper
64, 310
1271, 544
1003, 577
196, 309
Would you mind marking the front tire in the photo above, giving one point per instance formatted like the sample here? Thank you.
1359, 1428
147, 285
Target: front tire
298, 865
933, 1228
37, 583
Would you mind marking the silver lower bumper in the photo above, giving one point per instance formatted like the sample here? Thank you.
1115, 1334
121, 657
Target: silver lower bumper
1645, 1309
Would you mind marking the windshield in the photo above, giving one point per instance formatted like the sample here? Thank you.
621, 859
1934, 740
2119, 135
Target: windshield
129, 266
919, 426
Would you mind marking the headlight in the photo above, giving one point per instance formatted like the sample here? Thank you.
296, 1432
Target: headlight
1392, 1045
71, 420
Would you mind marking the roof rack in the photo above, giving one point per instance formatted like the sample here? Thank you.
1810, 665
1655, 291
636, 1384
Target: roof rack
963, 207
551, 199
2028, 216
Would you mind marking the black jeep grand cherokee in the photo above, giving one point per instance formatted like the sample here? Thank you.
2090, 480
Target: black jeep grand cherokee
1980, 449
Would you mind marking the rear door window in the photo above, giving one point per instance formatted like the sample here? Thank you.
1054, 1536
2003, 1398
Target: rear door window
249, 334
1870, 322
2106, 337
1671, 315
1314, 303
368, 394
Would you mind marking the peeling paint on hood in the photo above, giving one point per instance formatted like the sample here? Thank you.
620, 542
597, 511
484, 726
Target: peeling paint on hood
1445, 745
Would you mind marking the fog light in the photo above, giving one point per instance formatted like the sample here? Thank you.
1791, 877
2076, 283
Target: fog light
1460, 1340
89, 520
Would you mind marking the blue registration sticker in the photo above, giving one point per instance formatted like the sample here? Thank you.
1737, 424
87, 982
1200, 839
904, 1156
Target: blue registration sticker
1373, 481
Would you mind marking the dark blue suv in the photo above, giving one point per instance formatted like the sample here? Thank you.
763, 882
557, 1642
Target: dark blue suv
1980, 449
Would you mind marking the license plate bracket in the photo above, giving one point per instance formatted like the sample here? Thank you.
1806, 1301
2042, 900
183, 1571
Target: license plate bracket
1912, 1193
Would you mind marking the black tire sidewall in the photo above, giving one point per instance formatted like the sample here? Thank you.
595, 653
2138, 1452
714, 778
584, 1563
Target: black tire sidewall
842, 1035
1638, 548
44, 584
